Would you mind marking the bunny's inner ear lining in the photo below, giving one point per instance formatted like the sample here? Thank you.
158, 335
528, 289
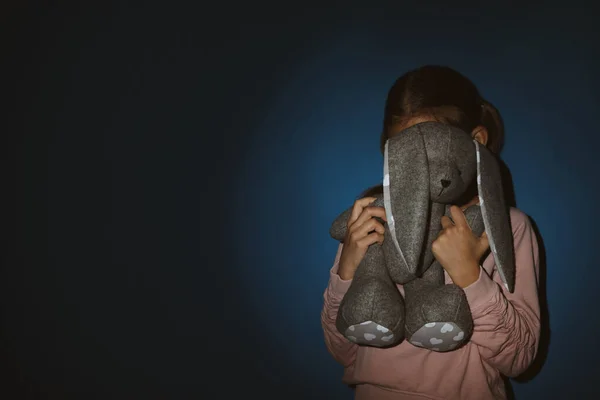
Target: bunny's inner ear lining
495, 215
387, 202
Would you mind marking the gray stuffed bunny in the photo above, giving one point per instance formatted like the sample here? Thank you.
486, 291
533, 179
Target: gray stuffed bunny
427, 167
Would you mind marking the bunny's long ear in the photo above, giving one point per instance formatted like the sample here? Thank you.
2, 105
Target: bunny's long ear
495, 214
406, 197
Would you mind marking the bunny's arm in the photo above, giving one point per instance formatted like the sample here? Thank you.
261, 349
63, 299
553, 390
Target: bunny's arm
507, 325
342, 350
339, 226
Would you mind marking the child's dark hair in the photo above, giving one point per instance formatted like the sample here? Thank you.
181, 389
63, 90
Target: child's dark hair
445, 95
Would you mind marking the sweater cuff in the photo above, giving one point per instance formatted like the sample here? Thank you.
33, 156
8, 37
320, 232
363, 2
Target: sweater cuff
338, 285
481, 291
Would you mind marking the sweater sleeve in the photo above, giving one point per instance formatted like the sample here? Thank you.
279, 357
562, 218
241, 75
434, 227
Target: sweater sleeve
342, 350
507, 325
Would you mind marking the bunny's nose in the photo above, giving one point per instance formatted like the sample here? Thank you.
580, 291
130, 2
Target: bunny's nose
446, 183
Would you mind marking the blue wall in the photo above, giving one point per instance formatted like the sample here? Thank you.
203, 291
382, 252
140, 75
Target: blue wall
178, 169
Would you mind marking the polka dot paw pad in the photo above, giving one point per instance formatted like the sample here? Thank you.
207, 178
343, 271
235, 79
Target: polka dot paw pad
370, 333
438, 336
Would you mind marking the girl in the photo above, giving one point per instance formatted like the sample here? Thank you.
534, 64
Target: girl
506, 325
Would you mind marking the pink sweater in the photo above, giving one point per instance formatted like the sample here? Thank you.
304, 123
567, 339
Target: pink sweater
504, 341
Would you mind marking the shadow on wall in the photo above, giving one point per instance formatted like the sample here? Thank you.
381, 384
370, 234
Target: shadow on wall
544, 344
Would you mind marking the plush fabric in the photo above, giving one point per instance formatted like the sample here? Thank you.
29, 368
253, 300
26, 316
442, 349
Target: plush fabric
427, 167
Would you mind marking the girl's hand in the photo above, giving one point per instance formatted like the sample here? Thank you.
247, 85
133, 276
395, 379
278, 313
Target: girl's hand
458, 250
363, 231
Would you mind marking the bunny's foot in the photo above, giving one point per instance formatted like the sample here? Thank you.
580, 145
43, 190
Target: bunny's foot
442, 321
371, 334
439, 336
372, 313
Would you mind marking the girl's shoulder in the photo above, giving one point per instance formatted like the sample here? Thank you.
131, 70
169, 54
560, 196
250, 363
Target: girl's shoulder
518, 219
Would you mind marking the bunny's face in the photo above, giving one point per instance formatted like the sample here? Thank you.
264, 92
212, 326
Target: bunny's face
452, 163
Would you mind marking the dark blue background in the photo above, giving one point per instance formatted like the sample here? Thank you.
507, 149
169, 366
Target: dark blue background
176, 168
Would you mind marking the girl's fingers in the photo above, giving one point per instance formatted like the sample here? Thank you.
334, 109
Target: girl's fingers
358, 207
368, 213
370, 239
368, 227
446, 222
